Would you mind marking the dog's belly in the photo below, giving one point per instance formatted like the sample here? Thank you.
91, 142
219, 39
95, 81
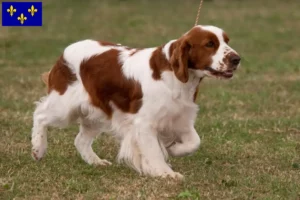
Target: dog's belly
169, 120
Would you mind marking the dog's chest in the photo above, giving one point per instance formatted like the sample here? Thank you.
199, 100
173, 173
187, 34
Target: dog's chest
175, 113
173, 119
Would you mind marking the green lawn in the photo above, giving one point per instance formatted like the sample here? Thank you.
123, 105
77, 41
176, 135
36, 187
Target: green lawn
249, 126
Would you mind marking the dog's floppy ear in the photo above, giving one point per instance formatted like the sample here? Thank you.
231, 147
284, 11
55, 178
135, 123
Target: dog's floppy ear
179, 60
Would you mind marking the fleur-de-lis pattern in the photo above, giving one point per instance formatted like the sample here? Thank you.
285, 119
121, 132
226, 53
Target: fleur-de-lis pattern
22, 18
22, 14
11, 10
32, 10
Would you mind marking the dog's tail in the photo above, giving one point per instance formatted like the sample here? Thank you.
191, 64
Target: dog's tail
45, 78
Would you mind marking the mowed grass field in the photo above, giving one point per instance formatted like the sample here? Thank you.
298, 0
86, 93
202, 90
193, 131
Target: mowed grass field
249, 126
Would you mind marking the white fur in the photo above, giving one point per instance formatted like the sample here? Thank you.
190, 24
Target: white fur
164, 124
166, 49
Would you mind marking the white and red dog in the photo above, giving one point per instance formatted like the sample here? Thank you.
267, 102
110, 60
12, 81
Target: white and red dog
145, 97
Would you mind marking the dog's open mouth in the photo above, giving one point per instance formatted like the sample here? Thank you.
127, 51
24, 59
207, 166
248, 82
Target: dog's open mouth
225, 74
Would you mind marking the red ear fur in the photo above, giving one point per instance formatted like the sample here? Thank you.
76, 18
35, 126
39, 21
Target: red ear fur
179, 60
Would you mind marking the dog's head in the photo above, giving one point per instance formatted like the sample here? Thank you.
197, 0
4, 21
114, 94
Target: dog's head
204, 50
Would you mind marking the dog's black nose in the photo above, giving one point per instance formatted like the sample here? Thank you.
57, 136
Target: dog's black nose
235, 59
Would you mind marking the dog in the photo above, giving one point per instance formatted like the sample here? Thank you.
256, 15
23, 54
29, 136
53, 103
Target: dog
145, 97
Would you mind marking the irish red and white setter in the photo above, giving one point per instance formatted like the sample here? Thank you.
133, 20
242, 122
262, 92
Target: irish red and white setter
144, 97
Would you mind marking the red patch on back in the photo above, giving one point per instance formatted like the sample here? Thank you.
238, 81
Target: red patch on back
104, 81
159, 63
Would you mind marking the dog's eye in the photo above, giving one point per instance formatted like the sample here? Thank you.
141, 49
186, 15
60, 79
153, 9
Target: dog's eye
210, 44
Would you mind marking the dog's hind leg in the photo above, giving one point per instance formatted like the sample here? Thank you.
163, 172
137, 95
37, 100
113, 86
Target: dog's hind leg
50, 111
83, 143
39, 132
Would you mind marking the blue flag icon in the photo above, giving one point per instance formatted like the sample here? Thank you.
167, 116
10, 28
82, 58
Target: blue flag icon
22, 14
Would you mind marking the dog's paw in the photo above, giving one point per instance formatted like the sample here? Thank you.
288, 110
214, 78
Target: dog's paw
174, 175
102, 162
178, 176
99, 162
38, 153
169, 174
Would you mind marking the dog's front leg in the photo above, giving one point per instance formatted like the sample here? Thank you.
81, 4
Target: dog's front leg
152, 158
143, 151
187, 142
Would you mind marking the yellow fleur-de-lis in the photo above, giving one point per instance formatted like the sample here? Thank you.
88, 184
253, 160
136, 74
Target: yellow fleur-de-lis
11, 10
22, 18
32, 10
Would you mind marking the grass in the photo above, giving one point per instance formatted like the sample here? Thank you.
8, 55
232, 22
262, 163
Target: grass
249, 125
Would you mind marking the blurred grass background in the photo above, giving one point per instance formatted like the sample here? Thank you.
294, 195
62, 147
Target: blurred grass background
249, 125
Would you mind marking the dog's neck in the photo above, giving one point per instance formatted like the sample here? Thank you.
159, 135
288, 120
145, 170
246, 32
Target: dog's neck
180, 90
185, 91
